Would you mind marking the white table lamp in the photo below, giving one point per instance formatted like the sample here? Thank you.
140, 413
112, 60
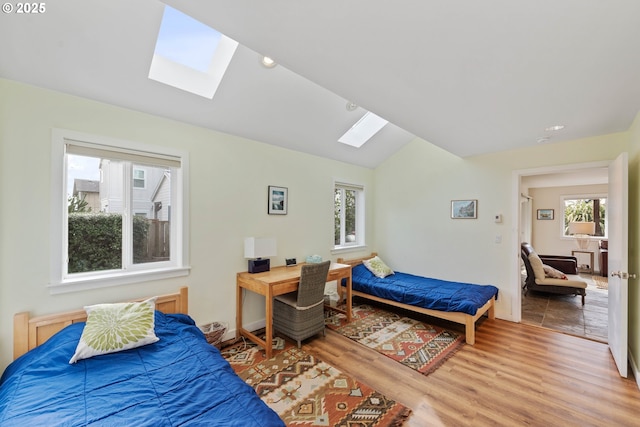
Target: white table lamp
581, 231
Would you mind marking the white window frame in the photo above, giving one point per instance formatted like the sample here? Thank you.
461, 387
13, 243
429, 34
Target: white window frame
60, 281
360, 218
143, 179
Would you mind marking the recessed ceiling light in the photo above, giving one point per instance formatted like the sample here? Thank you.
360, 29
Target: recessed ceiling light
556, 127
268, 62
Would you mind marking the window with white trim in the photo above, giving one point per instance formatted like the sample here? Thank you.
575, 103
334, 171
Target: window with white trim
139, 178
126, 238
591, 208
348, 215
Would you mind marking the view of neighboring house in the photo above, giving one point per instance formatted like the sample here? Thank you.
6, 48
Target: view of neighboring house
89, 191
161, 197
151, 196
151, 191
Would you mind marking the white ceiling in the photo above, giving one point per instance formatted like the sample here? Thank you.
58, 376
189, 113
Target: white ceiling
469, 76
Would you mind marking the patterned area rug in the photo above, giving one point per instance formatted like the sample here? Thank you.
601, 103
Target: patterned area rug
415, 344
305, 391
601, 282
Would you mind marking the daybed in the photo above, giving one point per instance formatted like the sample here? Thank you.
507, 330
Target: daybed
462, 303
178, 380
556, 274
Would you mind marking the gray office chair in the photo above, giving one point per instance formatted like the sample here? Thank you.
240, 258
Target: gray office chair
300, 314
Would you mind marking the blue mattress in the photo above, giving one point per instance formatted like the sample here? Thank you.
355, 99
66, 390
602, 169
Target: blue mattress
179, 380
425, 292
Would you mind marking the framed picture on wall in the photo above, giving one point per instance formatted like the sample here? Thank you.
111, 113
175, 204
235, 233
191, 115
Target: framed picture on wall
464, 209
277, 204
545, 214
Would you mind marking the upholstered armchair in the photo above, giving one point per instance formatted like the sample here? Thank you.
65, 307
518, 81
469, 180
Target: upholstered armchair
300, 314
551, 273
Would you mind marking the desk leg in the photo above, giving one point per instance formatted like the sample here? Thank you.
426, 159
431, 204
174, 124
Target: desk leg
268, 323
238, 310
349, 297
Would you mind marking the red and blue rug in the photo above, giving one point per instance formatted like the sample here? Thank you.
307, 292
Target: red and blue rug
418, 345
305, 391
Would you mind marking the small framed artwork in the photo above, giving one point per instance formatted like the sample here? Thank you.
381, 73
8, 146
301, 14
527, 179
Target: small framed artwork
464, 209
545, 214
277, 200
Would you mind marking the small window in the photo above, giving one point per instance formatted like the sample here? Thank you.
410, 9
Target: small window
348, 215
585, 209
138, 178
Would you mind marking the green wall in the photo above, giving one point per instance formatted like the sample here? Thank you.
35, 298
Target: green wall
408, 207
228, 179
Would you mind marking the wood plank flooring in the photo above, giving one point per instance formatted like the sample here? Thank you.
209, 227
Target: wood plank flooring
515, 375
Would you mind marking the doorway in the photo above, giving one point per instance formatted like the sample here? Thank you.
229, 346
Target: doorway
540, 189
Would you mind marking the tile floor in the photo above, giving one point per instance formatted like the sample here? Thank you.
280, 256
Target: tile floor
566, 313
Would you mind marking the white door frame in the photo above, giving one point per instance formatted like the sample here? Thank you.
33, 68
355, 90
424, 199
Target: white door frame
515, 288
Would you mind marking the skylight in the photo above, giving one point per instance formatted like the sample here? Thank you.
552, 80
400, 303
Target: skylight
190, 55
363, 130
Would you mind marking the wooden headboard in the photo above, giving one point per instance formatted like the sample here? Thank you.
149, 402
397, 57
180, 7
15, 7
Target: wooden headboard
28, 333
355, 261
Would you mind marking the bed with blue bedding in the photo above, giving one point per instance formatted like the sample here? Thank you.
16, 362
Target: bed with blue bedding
459, 302
178, 380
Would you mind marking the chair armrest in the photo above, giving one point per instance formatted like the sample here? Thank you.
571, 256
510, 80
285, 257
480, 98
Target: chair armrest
566, 264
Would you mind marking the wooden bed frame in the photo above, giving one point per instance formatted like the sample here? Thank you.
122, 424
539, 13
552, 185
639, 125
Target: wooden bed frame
465, 319
30, 332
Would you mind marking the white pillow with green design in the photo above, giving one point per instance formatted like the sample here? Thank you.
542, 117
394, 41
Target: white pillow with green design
377, 267
116, 327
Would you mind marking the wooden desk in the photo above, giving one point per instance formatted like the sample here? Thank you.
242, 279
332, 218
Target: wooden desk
278, 281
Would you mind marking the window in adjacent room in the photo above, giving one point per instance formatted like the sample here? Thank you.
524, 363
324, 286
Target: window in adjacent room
123, 228
590, 209
348, 215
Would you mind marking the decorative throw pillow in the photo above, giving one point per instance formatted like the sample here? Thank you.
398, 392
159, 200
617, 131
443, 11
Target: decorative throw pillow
115, 327
553, 273
378, 267
537, 266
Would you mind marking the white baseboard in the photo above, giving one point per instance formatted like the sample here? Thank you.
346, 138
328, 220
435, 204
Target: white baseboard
231, 333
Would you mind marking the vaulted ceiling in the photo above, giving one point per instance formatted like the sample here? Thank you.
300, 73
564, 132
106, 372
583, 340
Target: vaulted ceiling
469, 76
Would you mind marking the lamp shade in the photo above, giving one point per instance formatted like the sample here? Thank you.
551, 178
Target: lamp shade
584, 227
258, 247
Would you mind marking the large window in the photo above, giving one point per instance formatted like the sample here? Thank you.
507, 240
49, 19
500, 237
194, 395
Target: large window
123, 226
586, 209
348, 215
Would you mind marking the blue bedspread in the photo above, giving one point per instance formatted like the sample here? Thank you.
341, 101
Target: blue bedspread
179, 380
424, 292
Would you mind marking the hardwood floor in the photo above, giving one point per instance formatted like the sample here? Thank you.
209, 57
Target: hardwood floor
514, 375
